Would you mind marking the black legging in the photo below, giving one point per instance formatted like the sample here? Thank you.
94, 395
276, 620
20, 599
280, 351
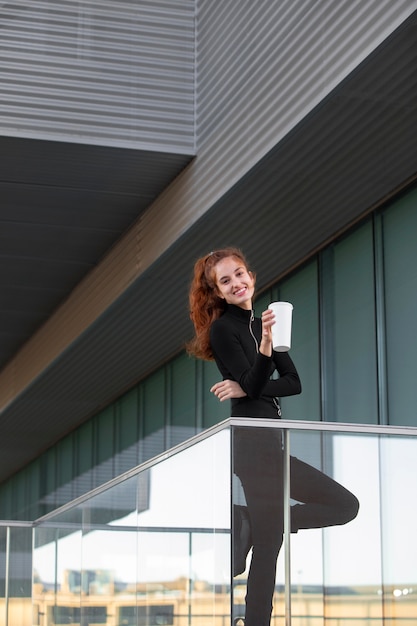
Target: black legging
258, 461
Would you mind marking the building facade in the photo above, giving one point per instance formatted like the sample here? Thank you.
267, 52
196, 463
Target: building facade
142, 135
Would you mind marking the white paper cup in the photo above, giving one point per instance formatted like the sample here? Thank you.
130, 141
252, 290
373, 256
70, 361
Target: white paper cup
281, 330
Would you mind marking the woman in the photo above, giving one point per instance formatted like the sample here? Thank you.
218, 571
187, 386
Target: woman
226, 330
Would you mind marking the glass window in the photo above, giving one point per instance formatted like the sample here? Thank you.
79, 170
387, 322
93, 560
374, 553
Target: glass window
18, 494
104, 440
261, 303
6, 505
105, 434
33, 495
301, 291
335, 556
3, 560
400, 261
348, 330
49, 478
166, 532
85, 457
183, 399
154, 410
65, 458
127, 424
398, 540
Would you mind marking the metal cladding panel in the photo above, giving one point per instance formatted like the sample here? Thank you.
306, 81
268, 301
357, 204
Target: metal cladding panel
264, 65
109, 72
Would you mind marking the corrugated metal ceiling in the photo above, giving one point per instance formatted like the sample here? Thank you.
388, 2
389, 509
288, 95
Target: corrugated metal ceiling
62, 207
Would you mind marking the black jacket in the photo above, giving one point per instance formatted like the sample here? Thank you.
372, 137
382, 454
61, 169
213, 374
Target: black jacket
234, 339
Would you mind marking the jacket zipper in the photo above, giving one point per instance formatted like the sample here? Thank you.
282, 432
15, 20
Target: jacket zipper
274, 400
252, 317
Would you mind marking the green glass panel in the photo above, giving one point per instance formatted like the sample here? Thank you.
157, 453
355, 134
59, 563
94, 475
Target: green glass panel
214, 411
6, 507
65, 470
105, 434
154, 415
105, 446
3, 561
48, 479
261, 302
49, 474
400, 260
127, 424
154, 402
33, 496
301, 290
84, 443
65, 460
348, 330
19, 495
183, 393
20, 564
128, 419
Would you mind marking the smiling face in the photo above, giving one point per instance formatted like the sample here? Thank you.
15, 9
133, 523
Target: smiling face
234, 282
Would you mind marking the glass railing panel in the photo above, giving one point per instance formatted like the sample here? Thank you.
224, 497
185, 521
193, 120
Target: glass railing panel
336, 570
152, 548
15, 574
348, 566
3, 570
108, 575
184, 537
368, 564
57, 574
398, 530
19, 606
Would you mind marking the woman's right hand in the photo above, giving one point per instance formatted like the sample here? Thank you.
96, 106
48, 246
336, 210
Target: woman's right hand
227, 389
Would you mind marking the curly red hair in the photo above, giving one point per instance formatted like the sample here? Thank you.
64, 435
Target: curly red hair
205, 304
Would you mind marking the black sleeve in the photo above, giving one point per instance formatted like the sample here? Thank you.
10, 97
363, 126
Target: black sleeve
253, 378
288, 383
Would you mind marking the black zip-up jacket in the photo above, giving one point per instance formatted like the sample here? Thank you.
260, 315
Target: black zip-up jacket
234, 339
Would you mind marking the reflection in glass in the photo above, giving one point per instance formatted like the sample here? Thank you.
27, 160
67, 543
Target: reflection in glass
336, 572
398, 529
318, 501
155, 548
364, 572
3, 560
152, 549
15, 575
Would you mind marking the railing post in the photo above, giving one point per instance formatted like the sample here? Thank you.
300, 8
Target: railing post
6, 576
287, 528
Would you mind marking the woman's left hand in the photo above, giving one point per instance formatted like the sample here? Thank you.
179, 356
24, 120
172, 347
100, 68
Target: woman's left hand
227, 389
268, 320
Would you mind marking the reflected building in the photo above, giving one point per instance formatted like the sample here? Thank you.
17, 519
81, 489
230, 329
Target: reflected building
166, 604
173, 561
